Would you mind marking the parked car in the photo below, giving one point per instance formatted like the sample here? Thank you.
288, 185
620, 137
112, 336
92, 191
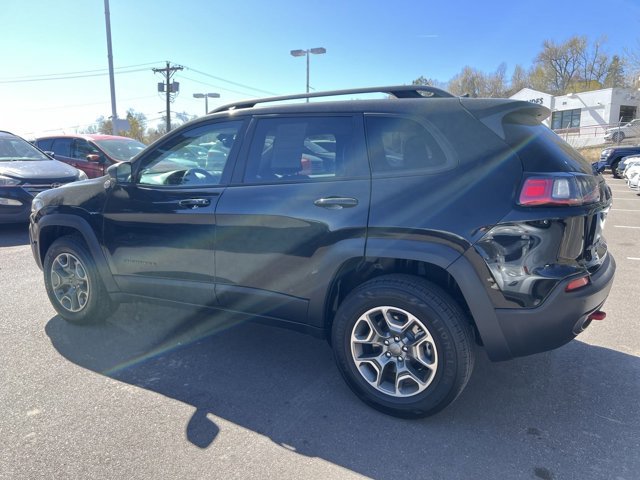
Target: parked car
625, 163
424, 224
628, 130
611, 157
633, 177
24, 172
92, 154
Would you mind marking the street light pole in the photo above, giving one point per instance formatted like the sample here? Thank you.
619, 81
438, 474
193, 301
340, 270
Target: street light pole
114, 112
307, 53
206, 97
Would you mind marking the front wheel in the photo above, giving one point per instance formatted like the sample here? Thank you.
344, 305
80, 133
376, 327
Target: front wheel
614, 169
617, 137
403, 345
73, 284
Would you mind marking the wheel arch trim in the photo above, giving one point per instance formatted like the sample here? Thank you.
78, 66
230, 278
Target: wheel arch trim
84, 229
453, 261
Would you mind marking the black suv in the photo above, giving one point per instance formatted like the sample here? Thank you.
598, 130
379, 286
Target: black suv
404, 230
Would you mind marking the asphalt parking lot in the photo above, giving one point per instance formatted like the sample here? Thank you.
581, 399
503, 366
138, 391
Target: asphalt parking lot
158, 392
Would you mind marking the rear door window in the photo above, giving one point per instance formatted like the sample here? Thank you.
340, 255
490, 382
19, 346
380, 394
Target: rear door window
44, 145
294, 149
62, 146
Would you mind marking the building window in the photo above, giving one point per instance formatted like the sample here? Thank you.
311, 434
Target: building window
565, 119
627, 113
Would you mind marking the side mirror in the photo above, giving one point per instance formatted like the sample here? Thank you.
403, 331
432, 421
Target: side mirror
95, 158
51, 154
120, 173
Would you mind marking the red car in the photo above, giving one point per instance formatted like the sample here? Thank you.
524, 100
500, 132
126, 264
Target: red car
92, 154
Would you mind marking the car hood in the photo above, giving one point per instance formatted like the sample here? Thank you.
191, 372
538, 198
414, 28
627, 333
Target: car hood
37, 170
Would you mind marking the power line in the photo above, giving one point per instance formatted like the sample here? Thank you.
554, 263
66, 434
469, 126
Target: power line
45, 75
69, 77
230, 81
219, 87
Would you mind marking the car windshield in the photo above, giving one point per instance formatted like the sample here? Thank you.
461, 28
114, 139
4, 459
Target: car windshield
16, 149
121, 149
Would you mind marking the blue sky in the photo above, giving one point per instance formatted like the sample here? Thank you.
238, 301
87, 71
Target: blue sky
247, 42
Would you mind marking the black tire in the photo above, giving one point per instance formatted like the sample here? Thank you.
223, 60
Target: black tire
614, 169
96, 304
444, 320
617, 137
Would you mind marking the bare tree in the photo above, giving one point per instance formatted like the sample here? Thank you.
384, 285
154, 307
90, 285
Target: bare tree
561, 62
594, 63
632, 61
475, 83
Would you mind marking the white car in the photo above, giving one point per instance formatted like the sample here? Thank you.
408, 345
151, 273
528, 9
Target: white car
628, 163
633, 175
617, 134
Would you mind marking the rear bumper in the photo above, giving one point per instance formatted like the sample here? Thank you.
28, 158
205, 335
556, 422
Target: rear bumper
559, 319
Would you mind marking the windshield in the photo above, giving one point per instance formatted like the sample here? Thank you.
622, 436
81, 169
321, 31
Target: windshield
120, 149
15, 149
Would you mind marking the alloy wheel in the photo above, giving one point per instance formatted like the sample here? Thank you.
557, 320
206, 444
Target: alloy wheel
394, 351
70, 282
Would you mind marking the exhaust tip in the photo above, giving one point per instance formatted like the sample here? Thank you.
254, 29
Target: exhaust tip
599, 315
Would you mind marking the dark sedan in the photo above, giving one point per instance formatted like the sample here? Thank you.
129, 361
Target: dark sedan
24, 172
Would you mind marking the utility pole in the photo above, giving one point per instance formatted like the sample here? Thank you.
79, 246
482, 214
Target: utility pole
114, 112
168, 87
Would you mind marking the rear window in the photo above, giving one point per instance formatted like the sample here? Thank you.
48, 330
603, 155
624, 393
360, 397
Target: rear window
401, 145
541, 150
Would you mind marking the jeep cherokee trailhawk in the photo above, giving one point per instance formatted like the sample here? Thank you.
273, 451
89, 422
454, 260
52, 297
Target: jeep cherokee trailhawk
405, 230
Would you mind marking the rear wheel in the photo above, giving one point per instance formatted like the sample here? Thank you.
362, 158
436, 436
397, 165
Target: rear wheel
403, 345
73, 284
617, 137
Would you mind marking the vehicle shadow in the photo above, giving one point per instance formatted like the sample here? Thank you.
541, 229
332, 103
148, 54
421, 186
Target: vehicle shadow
14, 234
571, 413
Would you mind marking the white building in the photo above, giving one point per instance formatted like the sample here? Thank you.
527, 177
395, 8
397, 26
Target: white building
582, 118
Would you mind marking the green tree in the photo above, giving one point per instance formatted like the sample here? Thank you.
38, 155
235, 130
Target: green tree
616, 76
519, 80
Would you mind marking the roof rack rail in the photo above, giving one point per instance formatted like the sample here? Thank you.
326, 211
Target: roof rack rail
400, 91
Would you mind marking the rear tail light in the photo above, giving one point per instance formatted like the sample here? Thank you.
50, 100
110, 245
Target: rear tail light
559, 189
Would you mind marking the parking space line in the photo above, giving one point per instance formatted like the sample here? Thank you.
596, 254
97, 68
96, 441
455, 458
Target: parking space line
633, 258
625, 226
624, 210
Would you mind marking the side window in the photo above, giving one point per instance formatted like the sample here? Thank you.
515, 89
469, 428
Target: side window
44, 145
305, 148
81, 149
401, 145
196, 157
62, 146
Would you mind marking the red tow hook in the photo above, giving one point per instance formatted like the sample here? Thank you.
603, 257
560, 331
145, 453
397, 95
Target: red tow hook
599, 315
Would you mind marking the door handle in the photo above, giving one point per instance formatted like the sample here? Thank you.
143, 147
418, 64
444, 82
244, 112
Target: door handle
194, 202
336, 203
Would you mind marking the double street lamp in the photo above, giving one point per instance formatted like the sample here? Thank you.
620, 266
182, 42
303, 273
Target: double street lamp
307, 53
206, 97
